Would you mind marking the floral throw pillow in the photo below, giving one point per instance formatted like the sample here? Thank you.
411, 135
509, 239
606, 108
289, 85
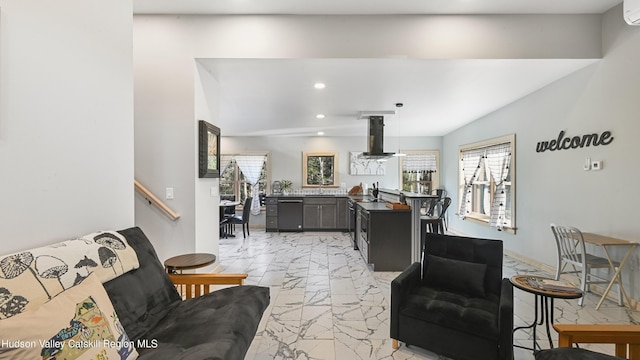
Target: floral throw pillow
33, 277
79, 323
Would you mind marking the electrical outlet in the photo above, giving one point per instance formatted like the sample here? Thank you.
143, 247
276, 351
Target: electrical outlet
168, 193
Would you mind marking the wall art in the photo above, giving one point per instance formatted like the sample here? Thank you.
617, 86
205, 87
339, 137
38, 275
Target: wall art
208, 150
362, 166
565, 143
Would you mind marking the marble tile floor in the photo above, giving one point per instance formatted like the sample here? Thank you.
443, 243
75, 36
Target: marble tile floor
327, 304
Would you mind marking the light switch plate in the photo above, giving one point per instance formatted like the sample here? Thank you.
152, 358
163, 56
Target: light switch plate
168, 194
213, 191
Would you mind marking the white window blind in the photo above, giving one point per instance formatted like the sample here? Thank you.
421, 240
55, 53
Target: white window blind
498, 160
251, 167
419, 163
471, 163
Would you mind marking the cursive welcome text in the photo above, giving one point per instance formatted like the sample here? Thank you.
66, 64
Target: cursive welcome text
564, 143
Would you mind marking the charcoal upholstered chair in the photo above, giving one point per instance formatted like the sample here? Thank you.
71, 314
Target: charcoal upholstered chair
456, 302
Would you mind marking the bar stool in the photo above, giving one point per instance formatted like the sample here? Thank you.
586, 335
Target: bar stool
435, 224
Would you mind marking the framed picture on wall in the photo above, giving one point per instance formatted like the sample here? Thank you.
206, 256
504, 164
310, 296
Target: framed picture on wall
208, 150
362, 166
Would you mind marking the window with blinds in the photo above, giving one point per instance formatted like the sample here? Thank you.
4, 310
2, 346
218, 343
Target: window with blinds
419, 171
236, 184
487, 182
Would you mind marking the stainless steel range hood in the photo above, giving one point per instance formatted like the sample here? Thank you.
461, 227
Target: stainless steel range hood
375, 145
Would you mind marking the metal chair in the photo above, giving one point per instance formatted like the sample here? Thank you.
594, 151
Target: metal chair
435, 224
430, 206
572, 251
441, 194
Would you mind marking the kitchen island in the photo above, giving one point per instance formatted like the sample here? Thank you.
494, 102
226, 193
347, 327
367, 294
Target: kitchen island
416, 202
384, 236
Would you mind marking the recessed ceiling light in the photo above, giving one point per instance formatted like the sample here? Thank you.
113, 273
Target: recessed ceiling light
319, 85
320, 133
320, 116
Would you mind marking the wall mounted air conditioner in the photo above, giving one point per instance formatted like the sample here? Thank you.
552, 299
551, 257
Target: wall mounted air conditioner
631, 11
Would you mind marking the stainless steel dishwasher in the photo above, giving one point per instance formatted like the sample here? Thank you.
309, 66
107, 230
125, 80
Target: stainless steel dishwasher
290, 214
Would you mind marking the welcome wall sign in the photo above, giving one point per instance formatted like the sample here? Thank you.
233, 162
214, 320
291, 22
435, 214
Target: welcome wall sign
565, 143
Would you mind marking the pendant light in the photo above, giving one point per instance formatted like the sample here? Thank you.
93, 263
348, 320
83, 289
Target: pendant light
398, 106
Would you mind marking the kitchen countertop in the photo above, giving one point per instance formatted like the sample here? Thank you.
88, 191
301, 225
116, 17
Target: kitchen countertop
378, 206
407, 194
309, 195
366, 202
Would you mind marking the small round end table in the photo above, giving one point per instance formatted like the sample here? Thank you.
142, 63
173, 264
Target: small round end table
545, 290
188, 261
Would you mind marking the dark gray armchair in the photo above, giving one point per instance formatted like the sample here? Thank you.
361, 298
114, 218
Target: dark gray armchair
457, 304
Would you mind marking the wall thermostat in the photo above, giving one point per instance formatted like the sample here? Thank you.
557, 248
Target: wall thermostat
596, 165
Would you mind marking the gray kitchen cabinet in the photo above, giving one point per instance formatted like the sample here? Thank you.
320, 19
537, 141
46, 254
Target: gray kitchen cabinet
310, 216
342, 215
272, 213
319, 213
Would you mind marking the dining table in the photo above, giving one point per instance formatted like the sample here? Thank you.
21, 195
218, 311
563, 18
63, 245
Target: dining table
607, 243
225, 227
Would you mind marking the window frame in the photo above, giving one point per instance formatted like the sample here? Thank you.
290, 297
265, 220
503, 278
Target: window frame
306, 156
480, 218
435, 180
237, 182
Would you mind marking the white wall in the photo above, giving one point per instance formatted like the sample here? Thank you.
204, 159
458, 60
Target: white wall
207, 210
552, 186
165, 47
66, 120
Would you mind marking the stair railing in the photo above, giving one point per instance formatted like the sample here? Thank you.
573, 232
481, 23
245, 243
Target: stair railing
153, 200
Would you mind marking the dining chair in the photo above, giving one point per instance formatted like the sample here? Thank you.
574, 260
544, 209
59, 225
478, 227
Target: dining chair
244, 219
571, 250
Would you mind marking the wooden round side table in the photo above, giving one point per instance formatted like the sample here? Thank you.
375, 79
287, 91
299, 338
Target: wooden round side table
188, 261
